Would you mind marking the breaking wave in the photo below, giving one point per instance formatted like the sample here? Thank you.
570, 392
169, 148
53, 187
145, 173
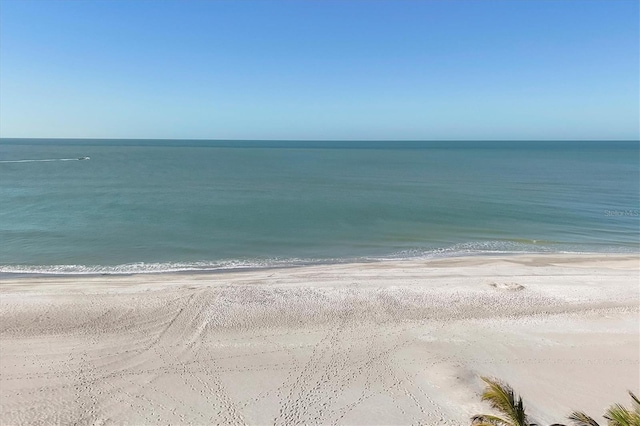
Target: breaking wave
485, 248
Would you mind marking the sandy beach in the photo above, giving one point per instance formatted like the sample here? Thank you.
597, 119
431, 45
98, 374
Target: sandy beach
387, 343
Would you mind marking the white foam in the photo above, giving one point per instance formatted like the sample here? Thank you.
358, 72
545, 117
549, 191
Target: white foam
148, 268
477, 248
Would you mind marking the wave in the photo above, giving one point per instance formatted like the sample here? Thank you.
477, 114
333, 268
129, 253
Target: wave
481, 248
520, 246
154, 268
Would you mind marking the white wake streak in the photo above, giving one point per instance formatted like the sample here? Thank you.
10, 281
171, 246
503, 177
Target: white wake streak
39, 161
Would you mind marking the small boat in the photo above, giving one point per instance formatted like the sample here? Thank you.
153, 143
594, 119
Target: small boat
84, 158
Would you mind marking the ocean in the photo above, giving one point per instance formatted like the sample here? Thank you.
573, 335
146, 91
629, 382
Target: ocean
140, 206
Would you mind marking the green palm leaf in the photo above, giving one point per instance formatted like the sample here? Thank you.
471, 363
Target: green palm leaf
488, 420
501, 397
581, 419
636, 404
617, 415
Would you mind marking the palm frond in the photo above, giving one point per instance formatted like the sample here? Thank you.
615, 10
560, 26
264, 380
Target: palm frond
581, 419
617, 415
488, 420
502, 398
636, 404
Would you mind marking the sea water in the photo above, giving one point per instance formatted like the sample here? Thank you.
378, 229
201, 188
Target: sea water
154, 206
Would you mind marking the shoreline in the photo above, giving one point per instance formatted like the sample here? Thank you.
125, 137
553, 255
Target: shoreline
389, 342
329, 262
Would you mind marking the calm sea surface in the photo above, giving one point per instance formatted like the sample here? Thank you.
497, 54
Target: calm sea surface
150, 206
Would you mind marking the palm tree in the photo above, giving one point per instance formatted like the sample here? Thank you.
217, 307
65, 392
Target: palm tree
616, 415
502, 398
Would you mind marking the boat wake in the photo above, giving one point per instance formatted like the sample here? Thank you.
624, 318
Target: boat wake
47, 160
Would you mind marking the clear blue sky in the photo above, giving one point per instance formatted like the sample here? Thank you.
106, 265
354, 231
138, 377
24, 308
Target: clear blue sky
330, 69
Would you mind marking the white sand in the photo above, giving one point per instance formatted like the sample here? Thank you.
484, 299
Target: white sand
399, 342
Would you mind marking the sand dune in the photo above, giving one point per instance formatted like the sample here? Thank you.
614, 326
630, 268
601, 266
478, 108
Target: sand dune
400, 342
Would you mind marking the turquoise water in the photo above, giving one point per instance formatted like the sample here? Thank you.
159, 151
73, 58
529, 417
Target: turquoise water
150, 206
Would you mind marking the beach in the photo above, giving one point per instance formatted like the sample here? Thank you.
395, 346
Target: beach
390, 342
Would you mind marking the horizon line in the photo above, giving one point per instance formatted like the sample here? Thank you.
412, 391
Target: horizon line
321, 140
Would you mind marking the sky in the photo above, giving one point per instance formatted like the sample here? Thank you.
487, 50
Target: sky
325, 69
